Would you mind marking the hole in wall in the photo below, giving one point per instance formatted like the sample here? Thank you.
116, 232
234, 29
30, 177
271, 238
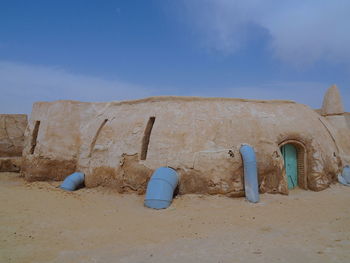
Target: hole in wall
34, 137
176, 190
146, 138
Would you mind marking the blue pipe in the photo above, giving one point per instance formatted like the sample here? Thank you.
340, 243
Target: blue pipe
346, 173
250, 173
73, 181
344, 177
160, 188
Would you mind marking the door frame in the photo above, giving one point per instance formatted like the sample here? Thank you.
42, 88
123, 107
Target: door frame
301, 160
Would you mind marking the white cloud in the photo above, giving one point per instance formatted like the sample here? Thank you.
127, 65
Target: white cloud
23, 84
300, 31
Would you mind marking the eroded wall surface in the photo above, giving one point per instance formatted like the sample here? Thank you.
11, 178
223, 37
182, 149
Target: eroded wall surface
199, 137
12, 127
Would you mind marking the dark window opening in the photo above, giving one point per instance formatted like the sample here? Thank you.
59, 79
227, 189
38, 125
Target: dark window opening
34, 137
146, 137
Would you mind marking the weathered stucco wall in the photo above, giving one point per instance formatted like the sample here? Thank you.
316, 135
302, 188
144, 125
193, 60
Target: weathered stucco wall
53, 139
347, 118
12, 127
332, 102
199, 137
333, 111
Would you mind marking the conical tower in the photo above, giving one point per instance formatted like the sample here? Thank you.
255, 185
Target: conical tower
332, 102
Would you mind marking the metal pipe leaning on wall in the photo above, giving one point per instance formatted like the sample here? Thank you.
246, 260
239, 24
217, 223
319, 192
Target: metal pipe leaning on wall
160, 188
73, 181
250, 173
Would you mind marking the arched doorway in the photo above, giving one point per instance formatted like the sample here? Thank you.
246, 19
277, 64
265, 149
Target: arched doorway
294, 156
290, 158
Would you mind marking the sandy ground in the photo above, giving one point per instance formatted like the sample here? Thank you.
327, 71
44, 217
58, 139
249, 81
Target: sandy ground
41, 223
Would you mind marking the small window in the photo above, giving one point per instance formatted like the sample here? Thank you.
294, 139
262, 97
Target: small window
34, 137
146, 137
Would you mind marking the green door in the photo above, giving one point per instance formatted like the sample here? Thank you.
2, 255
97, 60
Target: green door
289, 153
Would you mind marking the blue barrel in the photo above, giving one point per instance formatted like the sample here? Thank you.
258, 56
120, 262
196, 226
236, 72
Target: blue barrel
73, 181
160, 188
346, 173
251, 186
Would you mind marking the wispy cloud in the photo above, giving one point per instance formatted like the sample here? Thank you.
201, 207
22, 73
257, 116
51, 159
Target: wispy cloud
23, 84
299, 32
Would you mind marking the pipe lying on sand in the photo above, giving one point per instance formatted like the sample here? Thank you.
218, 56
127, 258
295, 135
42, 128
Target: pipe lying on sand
73, 181
160, 188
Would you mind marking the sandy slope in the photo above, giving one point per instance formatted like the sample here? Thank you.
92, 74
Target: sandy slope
41, 223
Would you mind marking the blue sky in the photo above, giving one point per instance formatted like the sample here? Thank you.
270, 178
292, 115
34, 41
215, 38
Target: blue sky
115, 50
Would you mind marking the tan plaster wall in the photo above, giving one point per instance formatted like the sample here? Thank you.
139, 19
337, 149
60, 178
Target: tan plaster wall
12, 127
341, 132
200, 137
332, 102
58, 139
347, 118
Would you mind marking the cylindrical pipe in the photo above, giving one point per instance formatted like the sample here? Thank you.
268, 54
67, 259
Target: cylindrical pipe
346, 173
250, 173
73, 181
160, 188
344, 177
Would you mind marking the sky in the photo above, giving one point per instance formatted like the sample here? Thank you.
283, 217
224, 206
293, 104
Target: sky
116, 50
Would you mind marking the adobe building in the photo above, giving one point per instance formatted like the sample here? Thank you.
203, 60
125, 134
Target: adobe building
120, 144
12, 127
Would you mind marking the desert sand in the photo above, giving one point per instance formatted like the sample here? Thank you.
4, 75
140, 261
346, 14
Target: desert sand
41, 223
